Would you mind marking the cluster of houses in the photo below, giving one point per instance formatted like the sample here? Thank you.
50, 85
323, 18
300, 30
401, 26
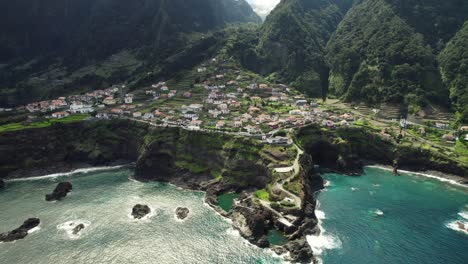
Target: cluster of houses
81, 104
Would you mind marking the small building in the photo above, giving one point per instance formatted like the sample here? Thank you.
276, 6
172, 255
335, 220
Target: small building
148, 116
300, 103
279, 141
136, 114
449, 137
129, 98
81, 108
220, 124
196, 107
187, 95
328, 123
109, 100
102, 116
59, 115
117, 111
190, 115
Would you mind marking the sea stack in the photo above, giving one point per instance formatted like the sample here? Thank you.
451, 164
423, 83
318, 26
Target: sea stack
182, 212
20, 232
60, 192
78, 229
140, 210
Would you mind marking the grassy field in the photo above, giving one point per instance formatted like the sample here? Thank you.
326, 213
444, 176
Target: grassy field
42, 124
262, 194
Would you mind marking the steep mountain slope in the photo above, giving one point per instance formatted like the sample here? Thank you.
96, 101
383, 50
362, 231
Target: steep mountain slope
68, 35
386, 51
292, 40
454, 67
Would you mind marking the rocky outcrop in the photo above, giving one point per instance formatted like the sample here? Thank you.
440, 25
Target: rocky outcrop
347, 149
252, 222
20, 232
182, 213
139, 211
59, 192
2, 184
77, 229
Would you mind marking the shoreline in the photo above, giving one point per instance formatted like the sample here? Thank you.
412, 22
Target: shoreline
442, 177
83, 170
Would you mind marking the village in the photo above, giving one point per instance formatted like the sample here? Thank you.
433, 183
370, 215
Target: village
218, 96
219, 99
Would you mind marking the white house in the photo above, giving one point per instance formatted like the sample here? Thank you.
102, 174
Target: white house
278, 140
195, 107
129, 98
80, 107
148, 116
59, 115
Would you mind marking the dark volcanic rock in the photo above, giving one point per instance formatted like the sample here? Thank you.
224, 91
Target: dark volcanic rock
20, 232
78, 229
182, 212
139, 211
60, 192
2, 184
300, 251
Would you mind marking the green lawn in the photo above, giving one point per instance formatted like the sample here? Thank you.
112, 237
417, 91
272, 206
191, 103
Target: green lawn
262, 194
42, 124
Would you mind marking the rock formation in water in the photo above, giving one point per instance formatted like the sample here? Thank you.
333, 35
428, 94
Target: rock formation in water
2, 184
20, 232
60, 192
139, 211
182, 212
78, 229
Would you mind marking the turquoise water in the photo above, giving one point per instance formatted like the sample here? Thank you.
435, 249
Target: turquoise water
226, 200
275, 237
380, 218
103, 200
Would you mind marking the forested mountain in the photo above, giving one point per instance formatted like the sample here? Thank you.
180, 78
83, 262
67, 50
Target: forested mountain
292, 41
375, 56
386, 51
370, 51
67, 35
454, 67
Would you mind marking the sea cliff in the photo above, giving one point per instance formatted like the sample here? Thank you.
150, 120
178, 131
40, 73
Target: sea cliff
218, 163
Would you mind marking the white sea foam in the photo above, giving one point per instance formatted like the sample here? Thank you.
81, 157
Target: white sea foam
327, 183
70, 225
464, 215
320, 214
324, 241
37, 228
233, 232
442, 179
454, 225
378, 212
63, 174
354, 189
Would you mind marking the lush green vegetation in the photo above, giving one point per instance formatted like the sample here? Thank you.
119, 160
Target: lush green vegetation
262, 194
61, 47
454, 64
42, 124
375, 56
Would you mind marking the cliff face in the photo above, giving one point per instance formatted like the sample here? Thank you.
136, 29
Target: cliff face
160, 154
348, 149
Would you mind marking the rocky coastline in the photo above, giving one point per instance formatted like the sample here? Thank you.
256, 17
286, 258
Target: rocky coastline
213, 163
